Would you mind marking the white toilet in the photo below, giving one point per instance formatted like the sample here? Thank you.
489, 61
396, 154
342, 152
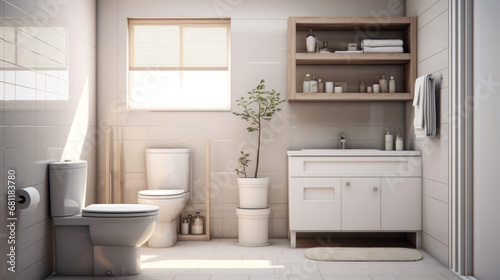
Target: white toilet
168, 188
101, 239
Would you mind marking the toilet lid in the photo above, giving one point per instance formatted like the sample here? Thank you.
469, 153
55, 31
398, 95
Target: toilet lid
119, 210
160, 192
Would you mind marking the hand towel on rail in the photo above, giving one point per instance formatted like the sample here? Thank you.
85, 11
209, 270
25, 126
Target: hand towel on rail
424, 102
383, 49
381, 43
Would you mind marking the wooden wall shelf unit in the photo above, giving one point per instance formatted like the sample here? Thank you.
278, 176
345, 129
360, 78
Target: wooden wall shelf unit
352, 67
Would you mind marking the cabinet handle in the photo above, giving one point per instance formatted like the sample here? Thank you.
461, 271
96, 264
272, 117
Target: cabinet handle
375, 189
348, 184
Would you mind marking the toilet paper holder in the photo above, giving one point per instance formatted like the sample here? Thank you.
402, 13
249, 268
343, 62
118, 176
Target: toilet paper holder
20, 198
27, 198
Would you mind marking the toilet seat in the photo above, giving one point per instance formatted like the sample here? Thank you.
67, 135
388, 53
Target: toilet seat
162, 194
119, 210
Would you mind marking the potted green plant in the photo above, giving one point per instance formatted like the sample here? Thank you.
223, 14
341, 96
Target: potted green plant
258, 106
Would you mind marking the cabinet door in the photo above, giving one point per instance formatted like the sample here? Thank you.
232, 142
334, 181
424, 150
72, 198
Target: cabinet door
401, 204
360, 203
314, 204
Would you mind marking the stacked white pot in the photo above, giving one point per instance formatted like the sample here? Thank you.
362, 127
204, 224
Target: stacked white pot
253, 213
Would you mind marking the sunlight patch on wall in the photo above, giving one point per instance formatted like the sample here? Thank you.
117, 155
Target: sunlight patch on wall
78, 131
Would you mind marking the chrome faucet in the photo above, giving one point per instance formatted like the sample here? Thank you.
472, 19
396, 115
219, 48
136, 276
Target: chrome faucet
342, 141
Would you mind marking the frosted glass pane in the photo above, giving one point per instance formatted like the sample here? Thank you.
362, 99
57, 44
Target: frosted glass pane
154, 89
156, 46
162, 90
206, 89
205, 47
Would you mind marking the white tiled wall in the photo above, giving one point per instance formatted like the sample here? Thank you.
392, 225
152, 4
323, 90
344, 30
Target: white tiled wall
47, 113
433, 59
259, 50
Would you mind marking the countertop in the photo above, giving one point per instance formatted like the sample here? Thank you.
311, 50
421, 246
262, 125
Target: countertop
351, 153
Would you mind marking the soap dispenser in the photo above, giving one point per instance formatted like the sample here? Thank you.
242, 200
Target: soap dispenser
389, 140
314, 85
399, 141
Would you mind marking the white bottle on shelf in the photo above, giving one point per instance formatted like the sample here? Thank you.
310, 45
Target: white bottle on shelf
383, 84
389, 141
307, 84
310, 42
399, 141
392, 85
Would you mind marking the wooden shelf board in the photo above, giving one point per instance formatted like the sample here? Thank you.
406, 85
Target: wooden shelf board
351, 96
192, 237
351, 58
352, 23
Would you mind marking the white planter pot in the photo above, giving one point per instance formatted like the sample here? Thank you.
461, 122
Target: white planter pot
253, 192
253, 226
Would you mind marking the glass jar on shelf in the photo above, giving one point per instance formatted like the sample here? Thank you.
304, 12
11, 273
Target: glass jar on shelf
197, 224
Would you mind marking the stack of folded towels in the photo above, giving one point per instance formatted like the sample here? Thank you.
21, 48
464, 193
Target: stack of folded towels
382, 45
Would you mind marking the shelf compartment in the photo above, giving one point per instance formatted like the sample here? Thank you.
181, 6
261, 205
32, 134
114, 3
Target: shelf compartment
351, 58
352, 96
339, 30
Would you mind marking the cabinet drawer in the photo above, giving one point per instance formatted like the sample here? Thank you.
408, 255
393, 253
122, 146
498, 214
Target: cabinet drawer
315, 204
355, 166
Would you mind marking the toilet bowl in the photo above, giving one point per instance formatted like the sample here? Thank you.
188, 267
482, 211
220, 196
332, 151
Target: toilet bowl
101, 239
168, 183
104, 239
170, 203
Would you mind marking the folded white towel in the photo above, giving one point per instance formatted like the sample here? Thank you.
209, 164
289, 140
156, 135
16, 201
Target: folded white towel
381, 43
383, 49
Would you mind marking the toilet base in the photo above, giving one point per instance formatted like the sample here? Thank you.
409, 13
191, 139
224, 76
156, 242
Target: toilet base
75, 255
116, 260
164, 236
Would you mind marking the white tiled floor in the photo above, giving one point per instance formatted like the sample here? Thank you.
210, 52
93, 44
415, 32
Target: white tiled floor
221, 259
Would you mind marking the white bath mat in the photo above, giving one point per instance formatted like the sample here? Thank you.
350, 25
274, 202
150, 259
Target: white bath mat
348, 254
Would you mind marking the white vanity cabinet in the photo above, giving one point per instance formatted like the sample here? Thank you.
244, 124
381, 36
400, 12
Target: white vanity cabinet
354, 190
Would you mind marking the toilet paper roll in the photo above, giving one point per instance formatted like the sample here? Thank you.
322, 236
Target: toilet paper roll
29, 198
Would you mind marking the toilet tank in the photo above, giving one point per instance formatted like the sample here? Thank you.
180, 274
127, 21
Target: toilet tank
168, 168
67, 186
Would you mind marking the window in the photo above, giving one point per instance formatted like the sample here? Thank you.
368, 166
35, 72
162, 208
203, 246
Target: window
179, 64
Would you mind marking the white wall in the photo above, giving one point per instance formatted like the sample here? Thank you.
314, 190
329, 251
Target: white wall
433, 59
46, 114
486, 135
259, 50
